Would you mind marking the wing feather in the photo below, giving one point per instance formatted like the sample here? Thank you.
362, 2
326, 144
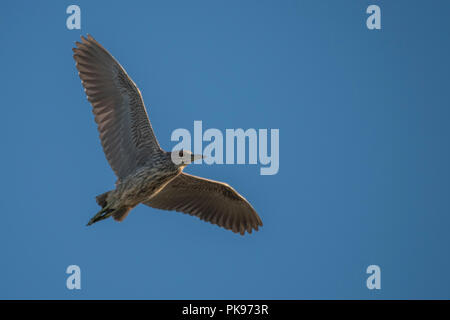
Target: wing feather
209, 200
126, 134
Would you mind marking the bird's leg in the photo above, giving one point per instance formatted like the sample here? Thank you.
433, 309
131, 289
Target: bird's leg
103, 217
100, 215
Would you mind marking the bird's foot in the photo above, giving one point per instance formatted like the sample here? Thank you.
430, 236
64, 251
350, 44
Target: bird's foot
101, 215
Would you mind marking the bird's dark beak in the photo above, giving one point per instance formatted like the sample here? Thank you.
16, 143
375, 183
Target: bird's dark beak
197, 157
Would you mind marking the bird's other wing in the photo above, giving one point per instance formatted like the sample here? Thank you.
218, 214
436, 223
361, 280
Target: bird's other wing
211, 201
125, 131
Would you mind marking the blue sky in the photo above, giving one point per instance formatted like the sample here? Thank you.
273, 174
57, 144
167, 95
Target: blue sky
364, 158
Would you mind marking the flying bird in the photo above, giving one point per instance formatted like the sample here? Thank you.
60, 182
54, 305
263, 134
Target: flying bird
146, 173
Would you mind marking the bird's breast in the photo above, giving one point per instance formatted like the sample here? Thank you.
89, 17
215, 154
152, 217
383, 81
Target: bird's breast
144, 184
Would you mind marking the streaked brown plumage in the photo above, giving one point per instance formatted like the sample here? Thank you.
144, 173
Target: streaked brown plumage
146, 173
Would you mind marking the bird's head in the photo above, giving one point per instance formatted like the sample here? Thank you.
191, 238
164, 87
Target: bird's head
182, 158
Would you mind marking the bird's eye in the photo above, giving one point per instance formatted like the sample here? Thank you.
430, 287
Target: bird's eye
180, 153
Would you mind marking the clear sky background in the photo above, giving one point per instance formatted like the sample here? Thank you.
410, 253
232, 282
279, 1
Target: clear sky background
364, 158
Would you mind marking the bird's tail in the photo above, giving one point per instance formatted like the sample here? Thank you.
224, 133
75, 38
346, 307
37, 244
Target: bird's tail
101, 199
117, 214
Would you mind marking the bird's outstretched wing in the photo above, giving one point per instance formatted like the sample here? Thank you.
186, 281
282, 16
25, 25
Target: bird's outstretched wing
211, 201
125, 131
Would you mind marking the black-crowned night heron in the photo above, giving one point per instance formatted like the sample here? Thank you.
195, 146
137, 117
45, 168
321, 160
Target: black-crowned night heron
146, 173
